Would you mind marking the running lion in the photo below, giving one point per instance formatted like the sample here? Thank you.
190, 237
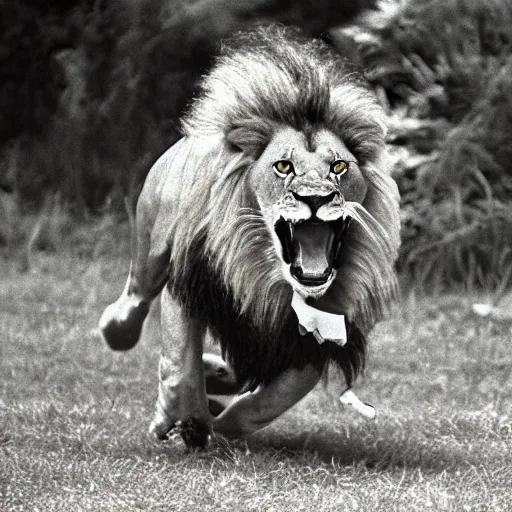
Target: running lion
273, 224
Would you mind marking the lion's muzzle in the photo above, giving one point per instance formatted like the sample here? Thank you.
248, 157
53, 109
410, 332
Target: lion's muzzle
310, 229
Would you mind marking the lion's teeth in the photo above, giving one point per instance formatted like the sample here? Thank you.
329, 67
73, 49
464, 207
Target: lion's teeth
285, 232
291, 210
332, 210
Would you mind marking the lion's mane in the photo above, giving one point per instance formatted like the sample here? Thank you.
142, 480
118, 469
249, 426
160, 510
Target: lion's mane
223, 267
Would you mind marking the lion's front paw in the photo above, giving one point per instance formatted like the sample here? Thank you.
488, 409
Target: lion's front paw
194, 431
160, 427
121, 322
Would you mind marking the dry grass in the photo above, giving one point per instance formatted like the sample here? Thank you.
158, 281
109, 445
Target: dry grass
73, 415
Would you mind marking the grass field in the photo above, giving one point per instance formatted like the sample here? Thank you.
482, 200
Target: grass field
74, 415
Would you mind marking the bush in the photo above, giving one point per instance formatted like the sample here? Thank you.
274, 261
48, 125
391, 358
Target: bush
91, 92
129, 71
443, 68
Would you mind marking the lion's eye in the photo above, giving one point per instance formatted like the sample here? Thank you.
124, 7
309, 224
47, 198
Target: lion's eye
339, 167
283, 167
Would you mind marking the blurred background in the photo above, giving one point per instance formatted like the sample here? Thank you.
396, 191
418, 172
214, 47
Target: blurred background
91, 92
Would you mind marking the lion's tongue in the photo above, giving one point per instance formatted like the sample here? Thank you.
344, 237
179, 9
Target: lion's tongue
315, 241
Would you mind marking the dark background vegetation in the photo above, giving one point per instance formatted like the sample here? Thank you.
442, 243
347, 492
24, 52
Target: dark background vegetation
91, 92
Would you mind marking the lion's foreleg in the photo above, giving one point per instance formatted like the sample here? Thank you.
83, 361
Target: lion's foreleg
254, 410
181, 392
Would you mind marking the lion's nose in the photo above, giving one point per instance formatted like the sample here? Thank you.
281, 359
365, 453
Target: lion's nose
314, 201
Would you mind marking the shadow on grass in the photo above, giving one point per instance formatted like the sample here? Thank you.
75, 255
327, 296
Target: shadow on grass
363, 449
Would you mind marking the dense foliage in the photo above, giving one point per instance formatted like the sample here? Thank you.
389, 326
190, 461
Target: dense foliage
30, 81
444, 70
91, 90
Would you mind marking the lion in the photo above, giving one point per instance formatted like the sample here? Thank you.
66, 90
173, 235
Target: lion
272, 224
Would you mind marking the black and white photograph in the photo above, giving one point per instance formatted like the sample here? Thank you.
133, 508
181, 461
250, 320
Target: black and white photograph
256, 255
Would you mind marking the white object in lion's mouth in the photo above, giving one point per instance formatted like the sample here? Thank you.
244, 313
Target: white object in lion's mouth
348, 397
324, 326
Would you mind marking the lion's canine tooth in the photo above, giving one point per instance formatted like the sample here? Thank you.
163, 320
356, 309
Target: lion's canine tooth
292, 210
285, 232
333, 210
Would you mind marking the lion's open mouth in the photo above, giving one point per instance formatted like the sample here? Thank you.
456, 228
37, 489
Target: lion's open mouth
312, 248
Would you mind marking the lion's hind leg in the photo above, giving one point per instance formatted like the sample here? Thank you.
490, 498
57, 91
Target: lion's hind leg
121, 322
252, 411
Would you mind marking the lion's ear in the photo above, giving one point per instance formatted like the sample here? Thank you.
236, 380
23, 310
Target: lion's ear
249, 140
